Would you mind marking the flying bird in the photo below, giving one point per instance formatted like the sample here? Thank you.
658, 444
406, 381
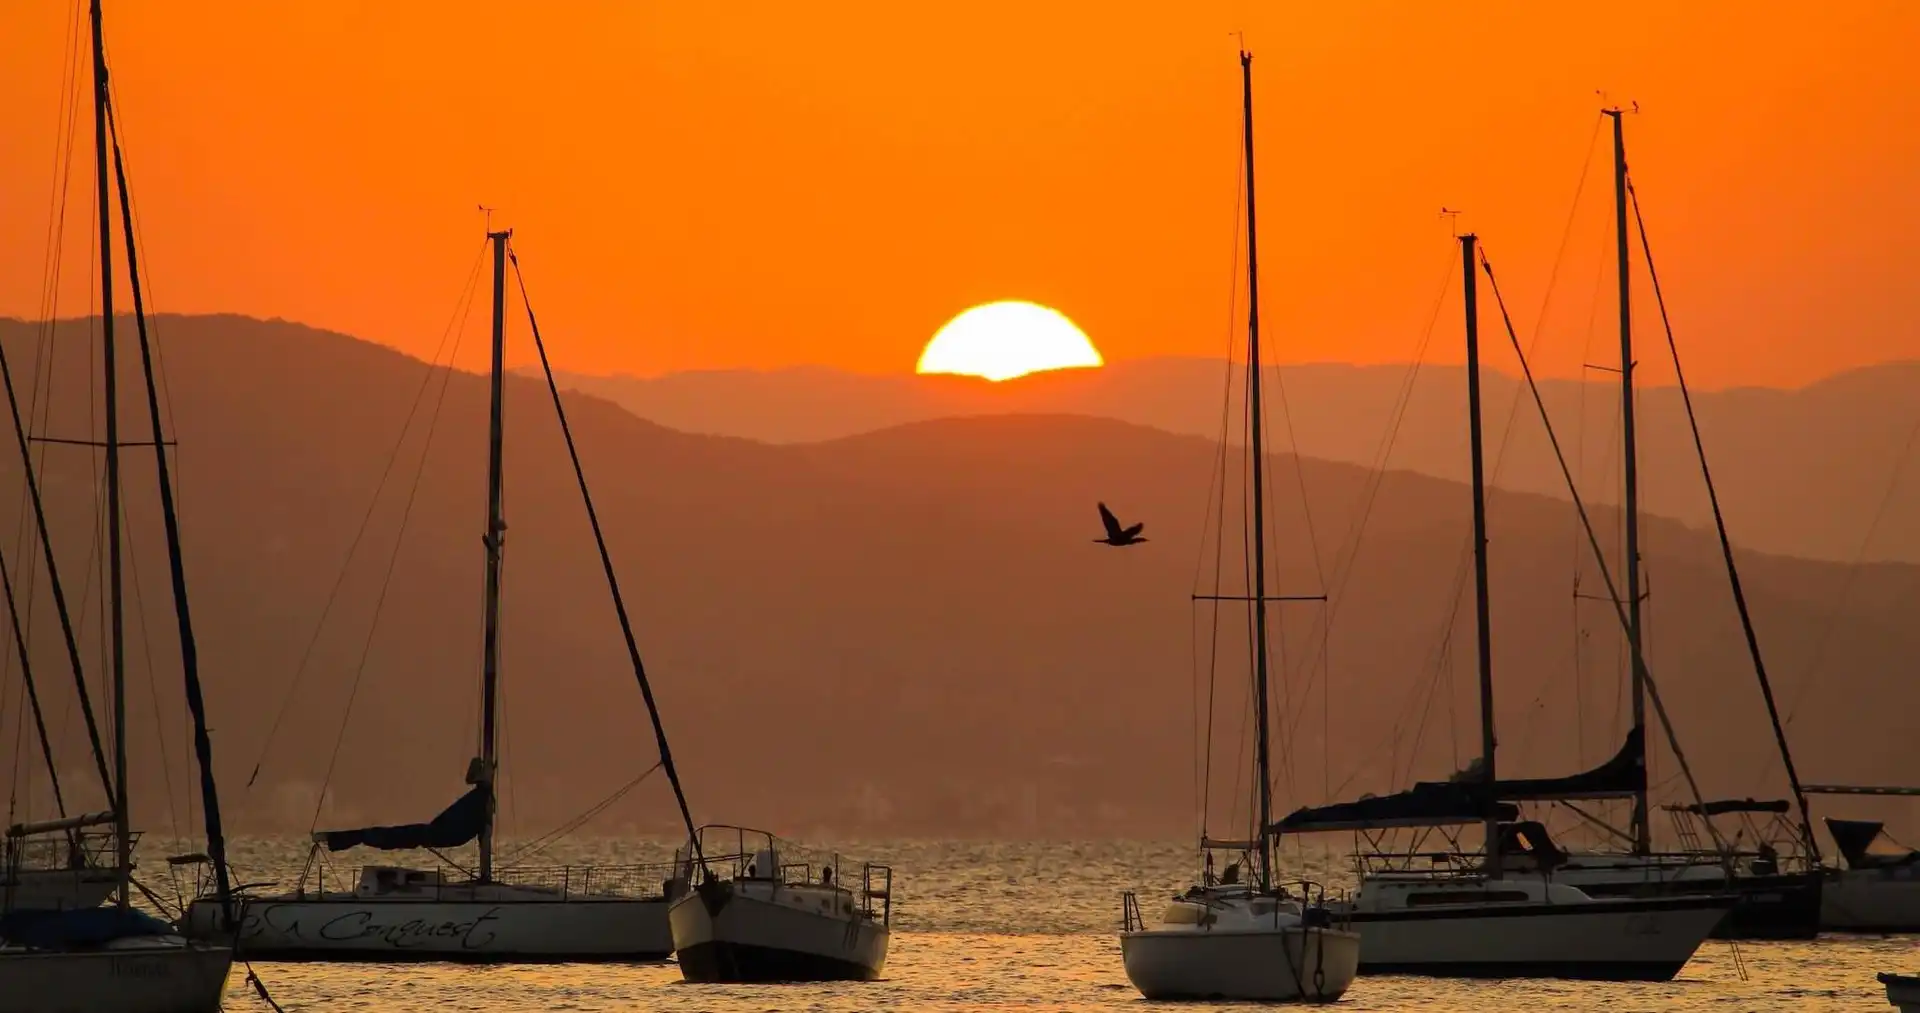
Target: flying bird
1117, 535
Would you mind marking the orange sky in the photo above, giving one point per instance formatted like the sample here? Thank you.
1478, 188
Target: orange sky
761, 184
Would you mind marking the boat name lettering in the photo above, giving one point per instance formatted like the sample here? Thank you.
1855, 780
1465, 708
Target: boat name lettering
414, 932
126, 968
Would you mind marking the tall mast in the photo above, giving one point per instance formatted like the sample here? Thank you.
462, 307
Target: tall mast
123, 841
1629, 453
1482, 609
496, 529
176, 565
1261, 748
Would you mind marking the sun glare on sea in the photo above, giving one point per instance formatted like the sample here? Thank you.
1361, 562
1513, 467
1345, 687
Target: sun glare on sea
1002, 340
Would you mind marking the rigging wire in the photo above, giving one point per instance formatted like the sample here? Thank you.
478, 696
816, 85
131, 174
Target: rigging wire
1726, 543
533, 848
157, 346
462, 306
1346, 562
1217, 502
64, 130
606, 564
1443, 652
1832, 624
386, 580
1646, 673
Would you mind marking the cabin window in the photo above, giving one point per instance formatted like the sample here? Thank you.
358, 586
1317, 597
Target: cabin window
1467, 897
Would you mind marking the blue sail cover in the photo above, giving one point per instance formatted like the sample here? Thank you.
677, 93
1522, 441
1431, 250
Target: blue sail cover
456, 825
1427, 804
1446, 803
94, 926
1721, 807
1620, 777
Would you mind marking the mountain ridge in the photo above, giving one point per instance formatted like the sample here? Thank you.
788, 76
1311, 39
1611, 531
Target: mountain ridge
902, 632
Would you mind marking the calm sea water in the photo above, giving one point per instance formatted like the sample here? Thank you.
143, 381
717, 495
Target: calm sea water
987, 926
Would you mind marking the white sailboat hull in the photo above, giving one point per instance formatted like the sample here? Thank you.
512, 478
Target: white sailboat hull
491, 931
133, 976
1624, 940
57, 889
1870, 900
1264, 965
722, 934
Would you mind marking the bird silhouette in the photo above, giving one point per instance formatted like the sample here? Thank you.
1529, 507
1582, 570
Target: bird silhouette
1117, 535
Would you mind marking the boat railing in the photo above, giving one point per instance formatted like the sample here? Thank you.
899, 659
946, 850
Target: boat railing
731, 852
1130, 918
1313, 896
71, 849
585, 882
1437, 864
876, 884
642, 881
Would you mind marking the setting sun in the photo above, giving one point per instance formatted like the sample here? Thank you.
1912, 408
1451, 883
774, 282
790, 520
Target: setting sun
1002, 340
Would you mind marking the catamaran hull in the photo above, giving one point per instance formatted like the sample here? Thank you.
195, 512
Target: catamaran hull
139, 978
1601, 941
470, 932
1258, 965
721, 935
1870, 901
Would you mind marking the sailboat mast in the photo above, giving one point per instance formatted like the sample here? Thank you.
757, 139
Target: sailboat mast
1482, 608
1263, 760
116, 626
176, 564
496, 529
1629, 452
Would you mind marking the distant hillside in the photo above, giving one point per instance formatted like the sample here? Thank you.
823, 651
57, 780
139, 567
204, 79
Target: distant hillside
903, 632
1800, 472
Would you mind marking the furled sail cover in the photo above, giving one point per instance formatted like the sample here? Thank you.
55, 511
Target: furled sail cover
1619, 777
1862, 845
1427, 804
456, 825
84, 927
1721, 807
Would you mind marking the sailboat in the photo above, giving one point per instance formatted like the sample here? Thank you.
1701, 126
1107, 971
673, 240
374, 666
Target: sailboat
393, 912
1484, 919
119, 959
1227, 938
1877, 887
1778, 896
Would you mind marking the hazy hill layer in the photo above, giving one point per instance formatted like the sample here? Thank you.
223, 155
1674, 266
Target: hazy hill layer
905, 632
1801, 472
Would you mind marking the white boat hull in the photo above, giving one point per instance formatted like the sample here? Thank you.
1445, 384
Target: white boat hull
133, 976
722, 934
495, 931
1267, 965
1870, 900
1623, 940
